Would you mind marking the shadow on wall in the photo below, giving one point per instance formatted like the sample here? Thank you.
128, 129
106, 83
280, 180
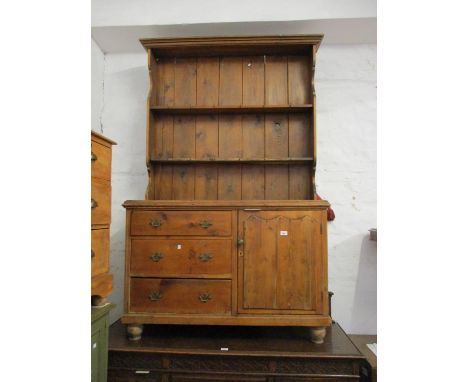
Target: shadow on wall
124, 120
364, 313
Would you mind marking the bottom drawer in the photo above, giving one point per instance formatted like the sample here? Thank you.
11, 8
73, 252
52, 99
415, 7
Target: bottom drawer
215, 378
186, 296
316, 379
132, 376
99, 251
101, 285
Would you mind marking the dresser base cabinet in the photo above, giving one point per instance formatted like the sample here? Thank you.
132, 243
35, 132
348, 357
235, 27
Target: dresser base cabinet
227, 263
188, 353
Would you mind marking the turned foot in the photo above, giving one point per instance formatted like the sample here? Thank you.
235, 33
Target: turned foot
317, 335
98, 300
134, 331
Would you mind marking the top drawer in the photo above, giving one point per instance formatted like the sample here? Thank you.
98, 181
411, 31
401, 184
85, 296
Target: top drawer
183, 223
100, 161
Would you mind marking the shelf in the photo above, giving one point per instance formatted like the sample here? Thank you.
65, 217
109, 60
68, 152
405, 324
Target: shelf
234, 161
232, 109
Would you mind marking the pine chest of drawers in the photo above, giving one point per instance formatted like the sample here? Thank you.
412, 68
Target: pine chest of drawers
101, 159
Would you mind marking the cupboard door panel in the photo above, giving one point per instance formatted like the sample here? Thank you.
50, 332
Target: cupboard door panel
280, 260
260, 266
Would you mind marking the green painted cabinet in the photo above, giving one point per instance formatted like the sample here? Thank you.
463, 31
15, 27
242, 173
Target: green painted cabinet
99, 342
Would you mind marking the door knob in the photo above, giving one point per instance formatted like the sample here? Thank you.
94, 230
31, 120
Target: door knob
240, 242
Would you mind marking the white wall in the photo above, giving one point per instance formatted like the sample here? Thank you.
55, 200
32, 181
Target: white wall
346, 172
346, 176
161, 12
124, 121
97, 85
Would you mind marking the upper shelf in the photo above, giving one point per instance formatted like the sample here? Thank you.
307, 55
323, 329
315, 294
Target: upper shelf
232, 109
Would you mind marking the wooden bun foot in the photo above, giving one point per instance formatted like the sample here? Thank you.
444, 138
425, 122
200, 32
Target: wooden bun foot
98, 300
134, 331
317, 335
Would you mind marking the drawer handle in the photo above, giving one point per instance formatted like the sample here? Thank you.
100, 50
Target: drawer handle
155, 296
204, 297
205, 224
157, 257
156, 223
92, 254
205, 257
94, 204
93, 156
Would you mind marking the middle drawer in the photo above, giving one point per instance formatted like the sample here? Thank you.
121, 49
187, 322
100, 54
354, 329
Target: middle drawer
181, 257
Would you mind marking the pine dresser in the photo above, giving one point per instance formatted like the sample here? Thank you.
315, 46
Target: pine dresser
231, 231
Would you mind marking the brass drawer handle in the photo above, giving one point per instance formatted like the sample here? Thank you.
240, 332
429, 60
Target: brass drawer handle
205, 224
204, 297
93, 156
205, 257
94, 204
156, 223
155, 296
157, 257
92, 254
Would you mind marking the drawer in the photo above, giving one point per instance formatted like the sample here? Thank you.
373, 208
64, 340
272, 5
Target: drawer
180, 296
101, 285
100, 202
99, 251
182, 258
183, 223
215, 378
101, 157
143, 375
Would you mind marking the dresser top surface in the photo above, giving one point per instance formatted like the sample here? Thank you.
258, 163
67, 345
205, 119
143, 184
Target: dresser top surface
96, 135
250, 341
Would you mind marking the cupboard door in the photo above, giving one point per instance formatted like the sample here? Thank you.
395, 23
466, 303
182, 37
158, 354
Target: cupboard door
280, 262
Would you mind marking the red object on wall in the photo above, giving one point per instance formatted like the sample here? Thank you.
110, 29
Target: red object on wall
330, 212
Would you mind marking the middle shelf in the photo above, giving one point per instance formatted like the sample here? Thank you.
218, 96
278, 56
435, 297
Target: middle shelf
232, 109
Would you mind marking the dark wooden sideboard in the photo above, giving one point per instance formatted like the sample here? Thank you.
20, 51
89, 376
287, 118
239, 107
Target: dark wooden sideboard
178, 353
